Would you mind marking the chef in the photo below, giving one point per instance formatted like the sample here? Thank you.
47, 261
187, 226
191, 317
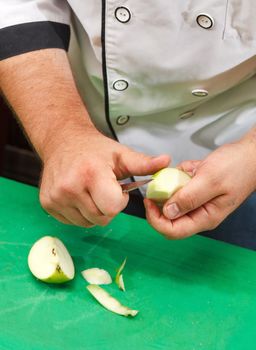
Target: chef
139, 84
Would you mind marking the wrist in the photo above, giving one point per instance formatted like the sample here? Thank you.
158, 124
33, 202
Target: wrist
60, 136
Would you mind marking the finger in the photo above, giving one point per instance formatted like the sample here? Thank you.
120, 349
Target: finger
134, 163
202, 219
84, 213
205, 218
90, 211
200, 190
173, 229
189, 166
48, 206
75, 217
59, 217
64, 220
107, 194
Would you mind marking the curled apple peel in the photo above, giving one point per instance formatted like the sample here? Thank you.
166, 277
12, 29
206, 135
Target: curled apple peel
119, 276
110, 303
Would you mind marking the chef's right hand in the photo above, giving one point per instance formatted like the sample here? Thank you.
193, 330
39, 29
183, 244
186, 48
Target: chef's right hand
79, 182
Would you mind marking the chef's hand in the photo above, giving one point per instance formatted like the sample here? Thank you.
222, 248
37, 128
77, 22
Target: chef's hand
220, 183
79, 182
81, 166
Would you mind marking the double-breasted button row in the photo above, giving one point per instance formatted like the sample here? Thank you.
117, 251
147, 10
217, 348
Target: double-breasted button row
124, 119
123, 15
121, 85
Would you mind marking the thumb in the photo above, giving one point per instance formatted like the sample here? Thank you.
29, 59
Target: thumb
135, 163
193, 195
186, 199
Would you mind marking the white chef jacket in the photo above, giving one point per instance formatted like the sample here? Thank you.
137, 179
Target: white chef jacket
162, 76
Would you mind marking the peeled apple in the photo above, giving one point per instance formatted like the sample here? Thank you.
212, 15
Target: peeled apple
50, 261
165, 183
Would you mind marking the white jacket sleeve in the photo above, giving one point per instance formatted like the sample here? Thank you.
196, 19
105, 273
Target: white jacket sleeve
33, 25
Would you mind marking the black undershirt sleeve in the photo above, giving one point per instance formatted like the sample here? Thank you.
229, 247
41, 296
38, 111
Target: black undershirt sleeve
32, 36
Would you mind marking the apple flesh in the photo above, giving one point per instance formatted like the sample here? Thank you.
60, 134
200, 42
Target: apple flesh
165, 183
50, 261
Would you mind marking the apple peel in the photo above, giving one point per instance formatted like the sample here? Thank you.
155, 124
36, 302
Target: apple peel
109, 302
119, 276
50, 261
96, 276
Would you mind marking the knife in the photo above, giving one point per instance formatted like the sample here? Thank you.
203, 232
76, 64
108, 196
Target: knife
130, 186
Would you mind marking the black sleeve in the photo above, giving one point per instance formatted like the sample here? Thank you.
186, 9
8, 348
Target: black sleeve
33, 25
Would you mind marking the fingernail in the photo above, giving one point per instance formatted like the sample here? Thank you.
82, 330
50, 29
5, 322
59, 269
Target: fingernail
172, 211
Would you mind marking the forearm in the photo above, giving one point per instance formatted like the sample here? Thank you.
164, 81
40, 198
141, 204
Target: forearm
40, 88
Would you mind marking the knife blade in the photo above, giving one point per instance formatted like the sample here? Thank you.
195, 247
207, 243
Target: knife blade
130, 186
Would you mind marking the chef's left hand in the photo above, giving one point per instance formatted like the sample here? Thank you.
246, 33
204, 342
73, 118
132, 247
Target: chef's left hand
220, 183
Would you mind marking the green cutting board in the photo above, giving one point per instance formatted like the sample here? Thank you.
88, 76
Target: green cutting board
192, 294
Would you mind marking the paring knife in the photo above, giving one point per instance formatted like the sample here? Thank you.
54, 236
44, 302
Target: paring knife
130, 186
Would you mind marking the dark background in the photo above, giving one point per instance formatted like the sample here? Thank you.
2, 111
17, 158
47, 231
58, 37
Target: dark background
18, 161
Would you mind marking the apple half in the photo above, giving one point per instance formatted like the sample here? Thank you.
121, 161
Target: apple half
165, 183
50, 261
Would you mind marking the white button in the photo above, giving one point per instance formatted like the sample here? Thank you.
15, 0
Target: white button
122, 14
120, 85
186, 115
205, 21
122, 119
200, 92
